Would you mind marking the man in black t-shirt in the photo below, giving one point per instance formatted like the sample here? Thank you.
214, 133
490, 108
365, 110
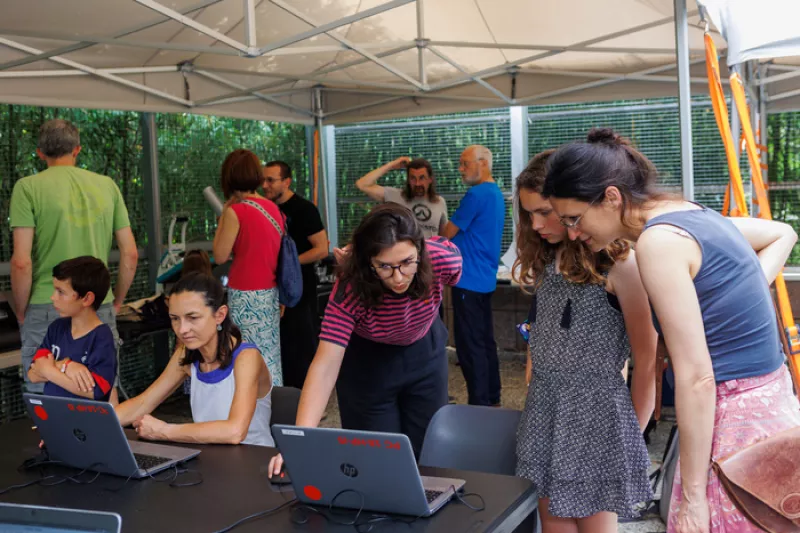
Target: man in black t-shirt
299, 324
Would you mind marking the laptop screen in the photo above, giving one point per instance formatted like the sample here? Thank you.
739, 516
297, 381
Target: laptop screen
26, 528
37, 519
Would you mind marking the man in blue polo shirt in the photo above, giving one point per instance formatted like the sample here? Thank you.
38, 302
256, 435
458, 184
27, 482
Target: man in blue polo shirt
477, 229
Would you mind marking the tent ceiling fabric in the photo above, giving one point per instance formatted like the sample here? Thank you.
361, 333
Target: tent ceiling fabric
366, 59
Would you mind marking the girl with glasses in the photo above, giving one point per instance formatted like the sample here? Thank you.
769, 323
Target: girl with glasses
382, 342
580, 435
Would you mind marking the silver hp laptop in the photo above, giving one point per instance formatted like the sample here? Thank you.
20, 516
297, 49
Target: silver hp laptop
360, 470
34, 519
87, 434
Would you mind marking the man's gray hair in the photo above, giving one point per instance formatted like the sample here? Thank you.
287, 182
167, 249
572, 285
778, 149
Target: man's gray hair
481, 152
58, 138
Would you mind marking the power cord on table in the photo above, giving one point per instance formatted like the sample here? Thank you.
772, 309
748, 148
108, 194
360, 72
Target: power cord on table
259, 514
372, 519
175, 470
51, 479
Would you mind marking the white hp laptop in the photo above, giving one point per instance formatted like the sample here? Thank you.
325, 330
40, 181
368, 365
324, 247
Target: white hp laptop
35, 519
87, 434
360, 470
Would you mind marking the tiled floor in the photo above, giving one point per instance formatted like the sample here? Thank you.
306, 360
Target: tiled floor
512, 372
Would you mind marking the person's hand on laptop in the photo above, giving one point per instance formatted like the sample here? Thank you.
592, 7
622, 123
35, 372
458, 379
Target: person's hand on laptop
151, 428
275, 465
79, 374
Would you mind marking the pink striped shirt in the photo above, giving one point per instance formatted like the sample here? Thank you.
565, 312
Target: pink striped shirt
399, 320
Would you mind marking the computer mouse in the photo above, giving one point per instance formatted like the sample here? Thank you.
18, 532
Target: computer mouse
280, 479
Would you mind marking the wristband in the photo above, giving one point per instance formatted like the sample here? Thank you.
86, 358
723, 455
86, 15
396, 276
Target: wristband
64, 366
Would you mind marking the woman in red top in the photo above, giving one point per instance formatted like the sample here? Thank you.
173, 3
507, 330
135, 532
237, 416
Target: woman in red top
245, 230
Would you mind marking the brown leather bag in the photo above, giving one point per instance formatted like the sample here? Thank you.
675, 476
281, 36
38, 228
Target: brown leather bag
763, 480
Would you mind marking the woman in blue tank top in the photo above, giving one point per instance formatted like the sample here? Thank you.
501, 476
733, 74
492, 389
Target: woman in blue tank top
708, 279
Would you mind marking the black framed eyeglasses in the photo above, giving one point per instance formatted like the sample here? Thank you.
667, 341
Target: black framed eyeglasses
406, 268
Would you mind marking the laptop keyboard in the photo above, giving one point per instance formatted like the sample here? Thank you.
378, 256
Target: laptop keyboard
146, 462
431, 495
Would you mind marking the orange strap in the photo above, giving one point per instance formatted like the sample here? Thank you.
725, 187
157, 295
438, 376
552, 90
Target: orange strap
788, 329
737, 89
721, 114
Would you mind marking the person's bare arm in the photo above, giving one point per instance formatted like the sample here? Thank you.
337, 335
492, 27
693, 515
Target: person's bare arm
319, 383
168, 382
21, 271
319, 248
773, 242
528, 366
247, 371
444, 220
368, 183
450, 230
626, 283
128, 258
46, 370
224, 239
317, 390
666, 261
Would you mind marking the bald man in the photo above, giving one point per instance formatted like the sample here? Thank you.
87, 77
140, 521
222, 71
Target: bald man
477, 229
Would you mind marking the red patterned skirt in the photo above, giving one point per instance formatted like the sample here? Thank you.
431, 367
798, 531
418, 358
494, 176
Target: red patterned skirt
748, 410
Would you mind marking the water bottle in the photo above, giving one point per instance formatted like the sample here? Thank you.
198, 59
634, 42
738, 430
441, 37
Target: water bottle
213, 200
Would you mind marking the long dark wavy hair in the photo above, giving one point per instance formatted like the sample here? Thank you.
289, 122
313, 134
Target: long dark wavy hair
584, 170
230, 337
383, 227
415, 164
577, 262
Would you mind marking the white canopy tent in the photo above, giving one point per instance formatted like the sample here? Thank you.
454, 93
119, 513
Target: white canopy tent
765, 34
339, 60
343, 61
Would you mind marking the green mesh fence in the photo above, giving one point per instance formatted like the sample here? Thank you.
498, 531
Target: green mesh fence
191, 151
363, 147
653, 127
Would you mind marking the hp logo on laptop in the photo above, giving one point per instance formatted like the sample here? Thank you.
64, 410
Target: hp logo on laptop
349, 470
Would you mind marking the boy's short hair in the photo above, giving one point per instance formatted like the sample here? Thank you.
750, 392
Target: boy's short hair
86, 274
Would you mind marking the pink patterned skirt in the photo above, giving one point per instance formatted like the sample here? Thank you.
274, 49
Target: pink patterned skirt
748, 410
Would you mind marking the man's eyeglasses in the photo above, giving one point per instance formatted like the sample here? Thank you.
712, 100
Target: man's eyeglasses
406, 268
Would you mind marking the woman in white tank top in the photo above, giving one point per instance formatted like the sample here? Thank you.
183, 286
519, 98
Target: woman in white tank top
231, 385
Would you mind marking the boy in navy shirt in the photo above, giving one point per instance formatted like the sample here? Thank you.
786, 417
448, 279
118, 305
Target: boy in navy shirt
77, 357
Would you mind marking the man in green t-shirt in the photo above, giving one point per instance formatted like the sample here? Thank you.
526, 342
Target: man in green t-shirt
58, 214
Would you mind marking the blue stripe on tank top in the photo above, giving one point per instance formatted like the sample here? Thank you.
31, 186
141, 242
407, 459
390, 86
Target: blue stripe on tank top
215, 376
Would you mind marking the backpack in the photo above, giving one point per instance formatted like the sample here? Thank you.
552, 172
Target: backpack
289, 276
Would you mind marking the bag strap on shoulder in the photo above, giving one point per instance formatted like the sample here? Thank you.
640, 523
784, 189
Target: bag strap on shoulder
264, 212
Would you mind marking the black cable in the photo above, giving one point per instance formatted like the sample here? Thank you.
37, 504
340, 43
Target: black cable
460, 497
364, 526
187, 483
173, 469
368, 523
73, 478
23, 485
253, 516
